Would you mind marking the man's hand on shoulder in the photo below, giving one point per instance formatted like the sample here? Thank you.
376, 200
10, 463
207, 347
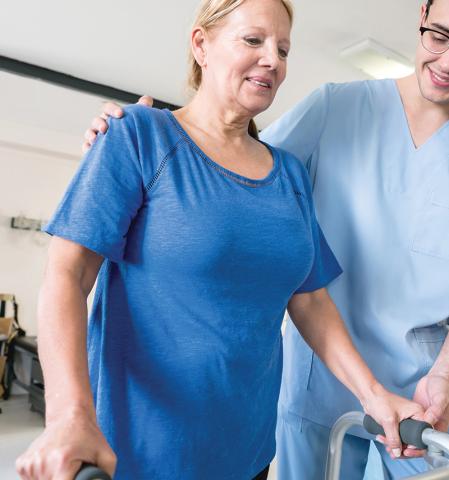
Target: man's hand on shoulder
100, 125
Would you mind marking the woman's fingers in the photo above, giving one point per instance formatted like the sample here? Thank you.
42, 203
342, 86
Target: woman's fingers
107, 461
22, 467
391, 429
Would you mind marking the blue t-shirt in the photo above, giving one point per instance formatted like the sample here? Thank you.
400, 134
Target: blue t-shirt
184, 341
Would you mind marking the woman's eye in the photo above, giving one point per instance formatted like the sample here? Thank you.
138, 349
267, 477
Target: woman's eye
252, 41
283, 53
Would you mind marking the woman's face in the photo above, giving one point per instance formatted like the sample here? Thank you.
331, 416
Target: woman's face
245, 56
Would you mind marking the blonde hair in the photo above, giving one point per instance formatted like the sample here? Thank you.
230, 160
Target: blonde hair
209, 14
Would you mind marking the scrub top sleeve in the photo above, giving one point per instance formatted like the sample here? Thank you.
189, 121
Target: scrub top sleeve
299, 130
105, 194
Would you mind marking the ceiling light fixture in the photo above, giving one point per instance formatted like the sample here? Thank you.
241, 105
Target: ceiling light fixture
376, 60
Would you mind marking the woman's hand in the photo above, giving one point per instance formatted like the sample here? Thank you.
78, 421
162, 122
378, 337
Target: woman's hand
66, 443
388, 410
100, 125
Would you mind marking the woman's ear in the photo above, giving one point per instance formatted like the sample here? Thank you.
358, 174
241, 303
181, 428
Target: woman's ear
199, 46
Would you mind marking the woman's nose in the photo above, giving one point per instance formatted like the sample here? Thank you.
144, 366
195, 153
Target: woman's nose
270, 57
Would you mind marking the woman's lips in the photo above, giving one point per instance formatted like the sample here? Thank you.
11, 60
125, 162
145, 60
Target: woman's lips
261, 82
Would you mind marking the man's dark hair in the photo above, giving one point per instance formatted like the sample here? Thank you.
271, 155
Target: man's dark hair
429, 4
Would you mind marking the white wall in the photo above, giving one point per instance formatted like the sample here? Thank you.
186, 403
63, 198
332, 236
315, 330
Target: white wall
32, 183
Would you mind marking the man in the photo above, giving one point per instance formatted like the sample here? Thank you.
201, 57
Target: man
378, 157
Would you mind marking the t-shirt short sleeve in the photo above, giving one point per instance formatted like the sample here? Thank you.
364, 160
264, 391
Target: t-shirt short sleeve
105, 194
325, 266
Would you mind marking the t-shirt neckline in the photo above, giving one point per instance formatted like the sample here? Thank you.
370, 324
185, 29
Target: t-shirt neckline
222, 170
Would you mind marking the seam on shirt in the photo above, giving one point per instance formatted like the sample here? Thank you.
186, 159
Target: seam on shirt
219, 169
226, 174
161, 167
326, 112
326, 109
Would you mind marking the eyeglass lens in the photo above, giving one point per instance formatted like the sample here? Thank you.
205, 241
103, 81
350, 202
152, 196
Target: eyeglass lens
435, 42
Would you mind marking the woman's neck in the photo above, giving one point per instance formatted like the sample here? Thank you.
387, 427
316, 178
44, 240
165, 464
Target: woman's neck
205, 114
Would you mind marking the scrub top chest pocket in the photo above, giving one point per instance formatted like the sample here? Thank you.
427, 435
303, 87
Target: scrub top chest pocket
432, 231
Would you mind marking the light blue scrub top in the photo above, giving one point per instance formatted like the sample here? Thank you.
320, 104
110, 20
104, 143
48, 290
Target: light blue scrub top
384, 208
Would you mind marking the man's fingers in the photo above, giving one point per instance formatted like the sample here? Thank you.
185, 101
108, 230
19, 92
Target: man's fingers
112, 109
99, 124
412, 452
436, 411
146, 100
85, 147
90, 136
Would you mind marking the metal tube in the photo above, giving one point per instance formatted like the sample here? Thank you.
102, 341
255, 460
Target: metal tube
435, 438
436, 441
341, 426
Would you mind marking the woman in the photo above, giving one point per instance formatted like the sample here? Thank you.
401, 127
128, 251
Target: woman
200, 236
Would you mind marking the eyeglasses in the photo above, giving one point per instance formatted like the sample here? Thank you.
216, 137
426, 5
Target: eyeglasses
434, 41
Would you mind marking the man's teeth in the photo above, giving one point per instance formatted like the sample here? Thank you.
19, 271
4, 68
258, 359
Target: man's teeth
443, 80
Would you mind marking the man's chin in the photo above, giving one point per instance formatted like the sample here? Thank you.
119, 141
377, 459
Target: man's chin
434, 95
437, 98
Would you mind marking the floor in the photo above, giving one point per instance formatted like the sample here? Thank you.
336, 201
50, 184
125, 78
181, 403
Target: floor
19, 427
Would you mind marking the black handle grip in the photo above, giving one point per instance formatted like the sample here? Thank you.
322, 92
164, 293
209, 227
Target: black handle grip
91, 472
410, 430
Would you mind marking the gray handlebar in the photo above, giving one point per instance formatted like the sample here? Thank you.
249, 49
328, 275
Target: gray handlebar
91, 472
410, 430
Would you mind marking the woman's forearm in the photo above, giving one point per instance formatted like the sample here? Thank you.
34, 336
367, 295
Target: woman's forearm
62, 328
62, 325
317, 319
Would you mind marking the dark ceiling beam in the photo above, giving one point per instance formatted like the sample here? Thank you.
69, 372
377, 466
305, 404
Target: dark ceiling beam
63, 80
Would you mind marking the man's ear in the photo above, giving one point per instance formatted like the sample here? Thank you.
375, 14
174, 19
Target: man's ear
423, 14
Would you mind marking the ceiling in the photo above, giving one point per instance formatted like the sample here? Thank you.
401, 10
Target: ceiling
141, 46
